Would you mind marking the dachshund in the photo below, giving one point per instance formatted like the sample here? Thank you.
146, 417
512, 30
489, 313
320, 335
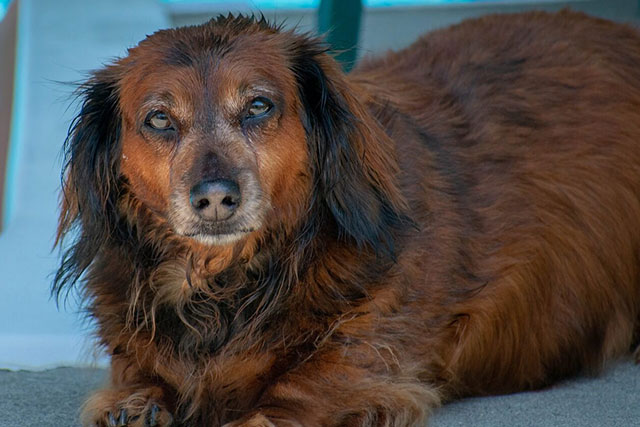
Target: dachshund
264, 240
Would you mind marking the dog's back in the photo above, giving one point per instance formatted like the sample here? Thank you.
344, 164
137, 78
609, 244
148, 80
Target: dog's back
522, 167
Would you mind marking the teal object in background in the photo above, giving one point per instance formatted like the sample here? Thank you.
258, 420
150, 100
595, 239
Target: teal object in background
4, 5
339, 20
307, 4
254, 4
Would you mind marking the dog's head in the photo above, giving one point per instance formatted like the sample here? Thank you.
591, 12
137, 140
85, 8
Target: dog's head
227, 130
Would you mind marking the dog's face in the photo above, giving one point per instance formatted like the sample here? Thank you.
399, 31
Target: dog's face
212, 138
228, 131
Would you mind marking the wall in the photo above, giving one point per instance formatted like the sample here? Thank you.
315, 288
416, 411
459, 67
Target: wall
60, 41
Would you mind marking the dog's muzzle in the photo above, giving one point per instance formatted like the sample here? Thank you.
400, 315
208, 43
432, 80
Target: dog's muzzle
215, 200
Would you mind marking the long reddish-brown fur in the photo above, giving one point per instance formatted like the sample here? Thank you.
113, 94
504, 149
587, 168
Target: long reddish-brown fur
459, 217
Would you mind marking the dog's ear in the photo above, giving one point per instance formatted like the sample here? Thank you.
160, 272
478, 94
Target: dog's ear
90, 177
352, 157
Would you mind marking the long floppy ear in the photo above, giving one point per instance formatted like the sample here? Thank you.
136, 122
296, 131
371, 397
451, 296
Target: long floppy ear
353, 158
90, 177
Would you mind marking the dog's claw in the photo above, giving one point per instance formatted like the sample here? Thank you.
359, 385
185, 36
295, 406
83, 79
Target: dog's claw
122, 421
112, 420
153, 413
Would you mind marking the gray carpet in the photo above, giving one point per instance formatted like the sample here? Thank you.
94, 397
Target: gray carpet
53, 398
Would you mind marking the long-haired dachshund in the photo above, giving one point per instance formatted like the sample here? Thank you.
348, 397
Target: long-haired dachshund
263, 240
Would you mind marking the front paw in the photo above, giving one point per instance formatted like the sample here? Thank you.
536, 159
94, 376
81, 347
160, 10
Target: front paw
132, 407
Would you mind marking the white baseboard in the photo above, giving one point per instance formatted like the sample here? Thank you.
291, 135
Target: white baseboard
39, 352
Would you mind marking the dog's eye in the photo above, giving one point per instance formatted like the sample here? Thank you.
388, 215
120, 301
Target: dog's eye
259, 107
159, 120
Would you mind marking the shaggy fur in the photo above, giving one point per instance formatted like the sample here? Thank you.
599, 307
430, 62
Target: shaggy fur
460, 217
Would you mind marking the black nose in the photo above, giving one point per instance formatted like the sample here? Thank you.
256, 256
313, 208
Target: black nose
215, 200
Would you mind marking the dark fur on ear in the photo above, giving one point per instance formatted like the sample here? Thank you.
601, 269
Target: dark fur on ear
351, 156
90, 178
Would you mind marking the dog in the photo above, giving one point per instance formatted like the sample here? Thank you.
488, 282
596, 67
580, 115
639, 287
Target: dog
263, 240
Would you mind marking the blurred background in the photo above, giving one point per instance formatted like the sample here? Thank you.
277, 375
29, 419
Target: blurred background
45, 44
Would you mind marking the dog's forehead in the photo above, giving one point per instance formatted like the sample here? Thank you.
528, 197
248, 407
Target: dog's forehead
214, 40
220, 56
190, 62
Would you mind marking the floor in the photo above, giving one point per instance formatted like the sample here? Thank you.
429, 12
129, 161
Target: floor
54, 398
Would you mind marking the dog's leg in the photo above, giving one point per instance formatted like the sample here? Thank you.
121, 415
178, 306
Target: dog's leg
130, 400
344, 388
133, 407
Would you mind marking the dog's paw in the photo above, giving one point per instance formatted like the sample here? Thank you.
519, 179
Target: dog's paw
128, 407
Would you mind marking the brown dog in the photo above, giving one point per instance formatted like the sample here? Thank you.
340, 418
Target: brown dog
263, 240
